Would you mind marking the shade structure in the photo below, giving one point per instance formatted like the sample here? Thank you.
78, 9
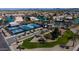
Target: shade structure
9, 19
13, 23
42, 18
34, 19
1, 21
76, 21
19, 19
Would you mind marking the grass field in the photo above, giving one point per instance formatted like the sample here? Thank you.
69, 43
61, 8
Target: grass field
60, 40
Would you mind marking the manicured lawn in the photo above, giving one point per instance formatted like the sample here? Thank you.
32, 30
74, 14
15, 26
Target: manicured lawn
61, 40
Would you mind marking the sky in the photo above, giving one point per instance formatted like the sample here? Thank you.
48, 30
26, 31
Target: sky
39, 3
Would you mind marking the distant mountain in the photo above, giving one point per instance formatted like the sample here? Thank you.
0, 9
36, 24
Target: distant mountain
32, 8
3, 9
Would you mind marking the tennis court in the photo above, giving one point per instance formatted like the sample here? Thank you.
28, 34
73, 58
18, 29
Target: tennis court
22, 28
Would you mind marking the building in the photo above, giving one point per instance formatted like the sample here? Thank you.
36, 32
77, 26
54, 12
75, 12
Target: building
19, 19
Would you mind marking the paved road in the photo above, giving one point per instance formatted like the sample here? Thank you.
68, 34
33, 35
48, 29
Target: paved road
3, 44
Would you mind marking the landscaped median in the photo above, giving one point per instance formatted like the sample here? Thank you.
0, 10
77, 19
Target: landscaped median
60, 40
